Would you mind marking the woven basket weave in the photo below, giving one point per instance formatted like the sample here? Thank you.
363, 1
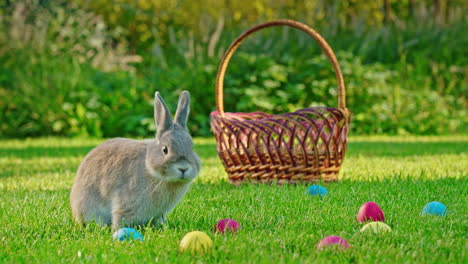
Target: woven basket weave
303, 146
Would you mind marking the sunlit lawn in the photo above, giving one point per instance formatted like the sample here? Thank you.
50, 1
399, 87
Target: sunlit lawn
280, 224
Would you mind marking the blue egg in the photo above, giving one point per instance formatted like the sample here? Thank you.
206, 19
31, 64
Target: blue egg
127, 234
317, 190
435, 208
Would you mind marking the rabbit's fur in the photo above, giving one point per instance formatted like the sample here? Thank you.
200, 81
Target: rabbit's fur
136, 182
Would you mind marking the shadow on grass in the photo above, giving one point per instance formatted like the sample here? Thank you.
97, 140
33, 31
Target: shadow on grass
398, 196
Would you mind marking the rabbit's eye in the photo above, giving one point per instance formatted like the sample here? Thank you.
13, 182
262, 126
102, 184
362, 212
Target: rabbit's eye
164, 149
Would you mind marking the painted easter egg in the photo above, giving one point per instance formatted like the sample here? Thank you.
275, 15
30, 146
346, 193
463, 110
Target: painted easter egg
370, 211
126, 234
226, 225
317, 190
376, 228
333, 241
435, 208
196, 242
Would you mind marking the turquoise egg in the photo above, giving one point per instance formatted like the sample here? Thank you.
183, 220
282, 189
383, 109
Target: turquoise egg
126, 233
435, 208
317, 190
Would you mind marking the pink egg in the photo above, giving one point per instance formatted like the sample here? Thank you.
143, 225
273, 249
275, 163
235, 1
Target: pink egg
370, 211
332, 240
226, 225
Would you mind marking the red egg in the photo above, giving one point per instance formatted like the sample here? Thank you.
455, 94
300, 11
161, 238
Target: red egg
226, 225
370, 211
332, 240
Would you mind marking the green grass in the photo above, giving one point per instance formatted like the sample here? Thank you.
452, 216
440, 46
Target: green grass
280, 224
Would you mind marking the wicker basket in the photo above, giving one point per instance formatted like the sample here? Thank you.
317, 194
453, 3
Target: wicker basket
303, 146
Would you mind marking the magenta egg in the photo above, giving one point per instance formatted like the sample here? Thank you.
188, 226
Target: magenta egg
370, 211
332, 241
228, 225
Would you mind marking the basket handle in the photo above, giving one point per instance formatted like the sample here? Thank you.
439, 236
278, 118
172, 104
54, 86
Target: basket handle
280, 22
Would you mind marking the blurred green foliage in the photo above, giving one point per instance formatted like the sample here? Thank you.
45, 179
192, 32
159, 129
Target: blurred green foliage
90, 68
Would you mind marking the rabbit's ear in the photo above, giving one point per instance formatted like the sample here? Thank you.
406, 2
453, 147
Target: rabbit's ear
183, 109
162, 115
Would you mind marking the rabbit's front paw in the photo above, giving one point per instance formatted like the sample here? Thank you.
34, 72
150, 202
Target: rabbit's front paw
158, 221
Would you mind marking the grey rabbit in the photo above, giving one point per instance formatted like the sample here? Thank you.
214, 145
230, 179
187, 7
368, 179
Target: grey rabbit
136, 182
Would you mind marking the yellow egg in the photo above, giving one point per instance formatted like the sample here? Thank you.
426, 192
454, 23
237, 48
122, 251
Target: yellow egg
196, 242
376, 227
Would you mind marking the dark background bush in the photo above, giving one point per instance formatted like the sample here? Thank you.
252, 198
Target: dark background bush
90, 68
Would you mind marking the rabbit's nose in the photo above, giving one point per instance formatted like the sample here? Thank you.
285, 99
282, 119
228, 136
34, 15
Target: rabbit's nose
183, 170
